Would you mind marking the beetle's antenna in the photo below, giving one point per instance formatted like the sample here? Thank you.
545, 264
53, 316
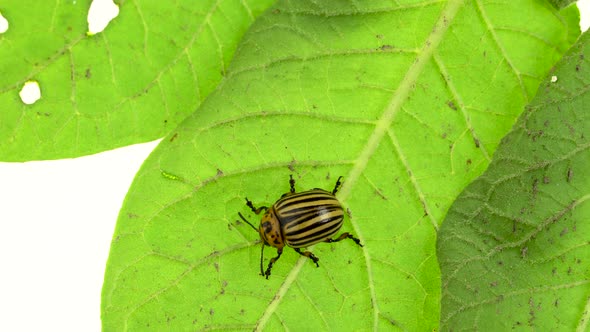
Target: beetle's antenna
244, 219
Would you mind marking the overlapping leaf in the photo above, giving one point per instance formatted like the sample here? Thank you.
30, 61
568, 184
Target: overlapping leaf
406, 100
513, 249
135, 82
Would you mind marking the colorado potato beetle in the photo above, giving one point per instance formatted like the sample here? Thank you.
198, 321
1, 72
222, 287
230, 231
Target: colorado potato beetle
299, 220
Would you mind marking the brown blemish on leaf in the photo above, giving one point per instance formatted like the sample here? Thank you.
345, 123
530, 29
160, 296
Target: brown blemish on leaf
523, 252
546, 180
88, 73
173, 137
380, 194
570, 174
386, 47
564, 231
452, 105
476, 141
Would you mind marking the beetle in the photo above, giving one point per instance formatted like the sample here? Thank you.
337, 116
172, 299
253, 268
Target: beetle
299, 220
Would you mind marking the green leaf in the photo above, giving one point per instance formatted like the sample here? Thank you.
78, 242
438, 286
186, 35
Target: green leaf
513, 249
134, 82
561, 3
407, 101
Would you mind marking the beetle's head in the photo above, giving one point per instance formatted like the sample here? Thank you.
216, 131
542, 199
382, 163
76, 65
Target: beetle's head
270, 230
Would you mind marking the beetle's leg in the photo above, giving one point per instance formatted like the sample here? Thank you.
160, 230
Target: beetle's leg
308, 255
345, 236
255, 210
274, 259
261, 259
337, 186
292, 183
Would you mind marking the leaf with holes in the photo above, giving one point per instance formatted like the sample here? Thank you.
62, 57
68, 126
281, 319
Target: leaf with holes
513, 249
407, 101
134, 82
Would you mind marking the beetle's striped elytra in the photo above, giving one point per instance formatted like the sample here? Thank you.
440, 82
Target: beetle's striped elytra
300, 220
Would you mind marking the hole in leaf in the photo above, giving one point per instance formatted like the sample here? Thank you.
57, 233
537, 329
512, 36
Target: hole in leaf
553, 79
100, 14
3, 24
30, 92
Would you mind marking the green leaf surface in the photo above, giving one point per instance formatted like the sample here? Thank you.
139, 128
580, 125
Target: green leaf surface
406, 100
562, 3
513, 249
134, 82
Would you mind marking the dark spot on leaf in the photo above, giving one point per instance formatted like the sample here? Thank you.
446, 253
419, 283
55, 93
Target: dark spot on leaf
535, 187
216, 265
443, 135
173, 137
523, 252
476, 141
553, 271
380, 194
564, 231
88, 73
556, 303
223, 285
276, 11
452, 105
386, 47
211, 312
468, 162
546, 180
214, 253
132, 215
532, 309
379, 36
494, 284
569, 270
570, 174
242, 312
219, 173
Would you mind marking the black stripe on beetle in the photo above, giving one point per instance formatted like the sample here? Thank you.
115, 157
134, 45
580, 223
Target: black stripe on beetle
299, 220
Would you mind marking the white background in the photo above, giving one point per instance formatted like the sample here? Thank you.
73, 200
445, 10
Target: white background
56, 223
